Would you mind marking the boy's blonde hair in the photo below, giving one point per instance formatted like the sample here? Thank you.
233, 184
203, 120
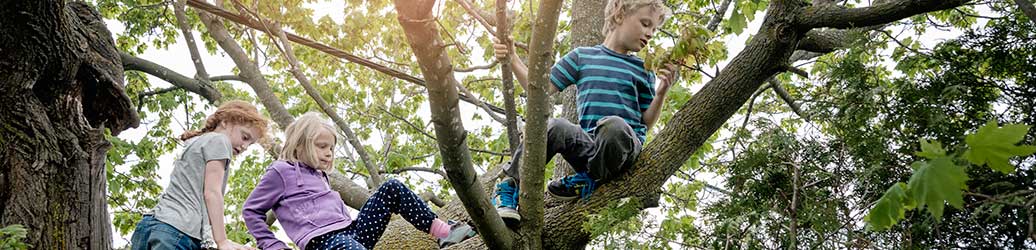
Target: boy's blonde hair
300, 137
617, 10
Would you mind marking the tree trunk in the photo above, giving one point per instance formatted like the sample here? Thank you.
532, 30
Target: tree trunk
61, 82
538, 110
587, 25
423, 37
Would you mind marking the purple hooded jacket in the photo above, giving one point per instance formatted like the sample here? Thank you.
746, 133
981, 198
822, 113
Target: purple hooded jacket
302, 200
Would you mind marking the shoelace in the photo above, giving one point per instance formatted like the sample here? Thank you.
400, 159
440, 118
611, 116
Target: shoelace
504, 187
578, 178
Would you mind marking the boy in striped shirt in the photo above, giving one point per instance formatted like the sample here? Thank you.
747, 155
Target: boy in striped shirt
617, 102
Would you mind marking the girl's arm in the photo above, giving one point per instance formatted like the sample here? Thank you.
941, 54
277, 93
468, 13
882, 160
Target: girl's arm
265, 195
213, 194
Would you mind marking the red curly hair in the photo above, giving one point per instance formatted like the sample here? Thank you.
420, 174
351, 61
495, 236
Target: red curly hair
232, 112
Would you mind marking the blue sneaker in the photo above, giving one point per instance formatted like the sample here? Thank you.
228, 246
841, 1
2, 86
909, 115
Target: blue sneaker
579, 185
506, 201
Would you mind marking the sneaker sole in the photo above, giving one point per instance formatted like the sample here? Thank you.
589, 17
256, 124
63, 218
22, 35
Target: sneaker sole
563, 198
511, 218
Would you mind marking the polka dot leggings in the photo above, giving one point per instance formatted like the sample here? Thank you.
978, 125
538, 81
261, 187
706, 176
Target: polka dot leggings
391, 198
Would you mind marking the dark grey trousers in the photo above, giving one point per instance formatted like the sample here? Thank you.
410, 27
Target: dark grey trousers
612, 148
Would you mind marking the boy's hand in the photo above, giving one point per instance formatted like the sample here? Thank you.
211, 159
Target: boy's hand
666, 76
500, 49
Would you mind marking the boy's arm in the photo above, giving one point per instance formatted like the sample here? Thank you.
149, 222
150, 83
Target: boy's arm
520, 71
665, 79
518, 68
265, 195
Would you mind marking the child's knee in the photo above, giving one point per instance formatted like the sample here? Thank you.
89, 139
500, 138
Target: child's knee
393, 184
612, 127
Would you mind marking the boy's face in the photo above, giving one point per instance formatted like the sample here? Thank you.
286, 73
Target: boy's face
635, 29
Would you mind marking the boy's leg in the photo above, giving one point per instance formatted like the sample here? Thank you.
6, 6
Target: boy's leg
617, 148
391, 197
563, 138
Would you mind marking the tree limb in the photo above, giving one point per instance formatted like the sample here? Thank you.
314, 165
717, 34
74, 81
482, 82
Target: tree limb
249, 70
538, 110
226, 78
423, 36
482, 105
254, 24
507, 79
783, 94
838, 16
289, 54
130, 62
474, 68
720, 13
188, 36
415, 169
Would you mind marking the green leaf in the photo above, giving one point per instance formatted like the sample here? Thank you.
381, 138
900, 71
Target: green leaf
937, 182
993, 146
737, 22
931, 150
890, 208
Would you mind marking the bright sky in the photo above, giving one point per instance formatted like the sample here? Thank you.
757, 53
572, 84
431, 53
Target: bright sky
176, 58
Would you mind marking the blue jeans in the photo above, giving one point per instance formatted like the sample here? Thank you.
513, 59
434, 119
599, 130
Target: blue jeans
154, 234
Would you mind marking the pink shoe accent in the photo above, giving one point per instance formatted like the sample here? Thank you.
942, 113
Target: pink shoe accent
440, 229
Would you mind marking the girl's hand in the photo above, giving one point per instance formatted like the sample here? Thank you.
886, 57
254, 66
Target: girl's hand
230, 245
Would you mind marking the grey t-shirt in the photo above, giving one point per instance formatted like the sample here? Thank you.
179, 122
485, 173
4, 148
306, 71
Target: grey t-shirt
182, 204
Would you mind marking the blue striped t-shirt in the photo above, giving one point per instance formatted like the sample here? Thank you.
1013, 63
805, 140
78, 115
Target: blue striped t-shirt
608, 84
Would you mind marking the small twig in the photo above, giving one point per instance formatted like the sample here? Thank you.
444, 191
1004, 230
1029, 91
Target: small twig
473, 68
490, 152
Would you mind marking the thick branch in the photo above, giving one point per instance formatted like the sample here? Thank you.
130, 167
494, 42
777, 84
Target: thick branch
538, 109
423, 36
255, 24
130, 62
838, 16
289, 54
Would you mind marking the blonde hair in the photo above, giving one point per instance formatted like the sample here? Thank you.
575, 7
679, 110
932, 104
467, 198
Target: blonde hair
232, 112
616, 10
300, 138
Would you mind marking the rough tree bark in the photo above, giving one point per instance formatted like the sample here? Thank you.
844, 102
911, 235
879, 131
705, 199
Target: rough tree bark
423, 36
503, 32
538, 110
61, 82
